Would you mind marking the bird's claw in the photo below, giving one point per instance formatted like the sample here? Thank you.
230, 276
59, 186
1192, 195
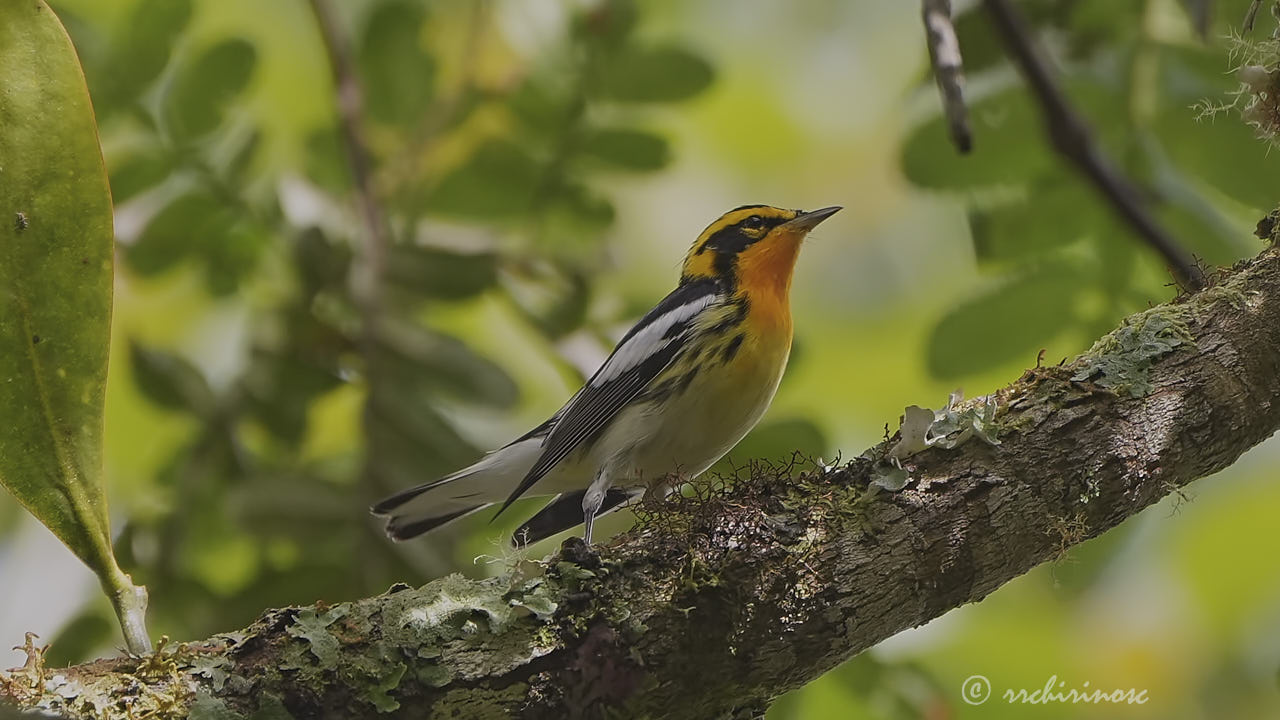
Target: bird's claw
575, 550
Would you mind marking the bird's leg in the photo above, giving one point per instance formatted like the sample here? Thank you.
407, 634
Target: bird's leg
663, 485
592, 501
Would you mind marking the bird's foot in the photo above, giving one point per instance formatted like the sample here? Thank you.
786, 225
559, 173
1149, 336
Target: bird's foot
575, 550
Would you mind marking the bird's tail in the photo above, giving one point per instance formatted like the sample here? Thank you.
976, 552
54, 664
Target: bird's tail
424, 508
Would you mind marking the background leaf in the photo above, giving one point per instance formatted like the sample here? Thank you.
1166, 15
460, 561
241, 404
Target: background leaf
137, 173
662, 74
628, 149
178, 230
778, 441
439, 273
139, 53
203, 87
397, 72
1013, 319
170, 381
498, 181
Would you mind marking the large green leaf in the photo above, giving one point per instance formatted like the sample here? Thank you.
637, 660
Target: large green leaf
55, 295
1015, 154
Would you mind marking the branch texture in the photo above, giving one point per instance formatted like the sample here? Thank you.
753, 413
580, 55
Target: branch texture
715, 604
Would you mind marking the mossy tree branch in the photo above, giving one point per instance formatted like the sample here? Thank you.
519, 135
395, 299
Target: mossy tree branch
718, 603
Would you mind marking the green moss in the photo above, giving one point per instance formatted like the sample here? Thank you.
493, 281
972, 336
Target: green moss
433, 675
1121, 361
478, 703
215, 668
378, 694
1228, 293
314, 628
208, 707
271, 707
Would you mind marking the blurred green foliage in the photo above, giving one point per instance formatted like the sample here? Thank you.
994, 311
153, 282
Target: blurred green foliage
1061, 260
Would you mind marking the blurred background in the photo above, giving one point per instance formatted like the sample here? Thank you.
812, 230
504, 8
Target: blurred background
541, 166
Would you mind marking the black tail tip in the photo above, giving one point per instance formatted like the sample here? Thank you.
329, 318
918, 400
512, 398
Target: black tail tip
400, 527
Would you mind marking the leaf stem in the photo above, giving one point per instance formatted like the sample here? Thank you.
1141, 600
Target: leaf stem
130, 604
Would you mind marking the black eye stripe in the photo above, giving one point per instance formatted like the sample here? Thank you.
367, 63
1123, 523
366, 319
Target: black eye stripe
730, 240
735, 238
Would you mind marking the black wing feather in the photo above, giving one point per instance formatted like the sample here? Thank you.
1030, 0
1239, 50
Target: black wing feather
565, 511
595, 406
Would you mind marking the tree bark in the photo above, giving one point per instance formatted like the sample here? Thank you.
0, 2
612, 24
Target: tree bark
716, 604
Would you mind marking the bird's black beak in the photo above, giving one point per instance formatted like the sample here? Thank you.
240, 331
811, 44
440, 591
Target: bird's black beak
804, 222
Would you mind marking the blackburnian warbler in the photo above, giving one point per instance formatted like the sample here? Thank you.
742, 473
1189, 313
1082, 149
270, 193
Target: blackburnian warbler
677, 393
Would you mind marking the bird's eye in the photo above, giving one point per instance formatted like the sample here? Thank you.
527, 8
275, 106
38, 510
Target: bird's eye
754, 222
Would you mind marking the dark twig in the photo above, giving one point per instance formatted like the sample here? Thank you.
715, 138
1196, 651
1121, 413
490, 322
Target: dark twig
371, 255
350, 101
1251, 16
1071, 137
1201, 16
948, 69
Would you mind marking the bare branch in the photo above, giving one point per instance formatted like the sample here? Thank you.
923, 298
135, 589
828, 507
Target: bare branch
948, 70
1072, 138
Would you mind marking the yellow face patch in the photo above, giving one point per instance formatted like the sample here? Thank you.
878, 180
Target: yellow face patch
731, 234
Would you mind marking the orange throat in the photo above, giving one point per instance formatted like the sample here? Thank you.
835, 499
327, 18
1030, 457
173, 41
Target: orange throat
764, 276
